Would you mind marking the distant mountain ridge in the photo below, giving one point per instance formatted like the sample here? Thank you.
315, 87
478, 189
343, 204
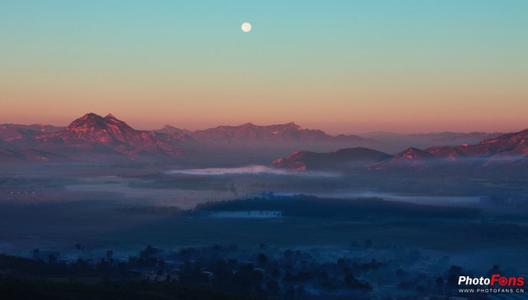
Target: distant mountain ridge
22, 133
93, 136
251, 134
90, 136
396, 142
507, 149
511, 143
350, 157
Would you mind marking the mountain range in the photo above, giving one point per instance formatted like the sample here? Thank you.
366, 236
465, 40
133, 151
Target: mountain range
396, 142
87, 138
504, 150
340, 159
93, 137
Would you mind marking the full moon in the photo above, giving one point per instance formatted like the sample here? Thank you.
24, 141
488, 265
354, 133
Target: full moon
246, 27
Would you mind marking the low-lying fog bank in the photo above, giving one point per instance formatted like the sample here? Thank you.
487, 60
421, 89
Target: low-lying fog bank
251, 170
124, 209
416, 199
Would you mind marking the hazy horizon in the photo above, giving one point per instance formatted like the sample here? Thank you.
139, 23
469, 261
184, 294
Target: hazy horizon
269, 124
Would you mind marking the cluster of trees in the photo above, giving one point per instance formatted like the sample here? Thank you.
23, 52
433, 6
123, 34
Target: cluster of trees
209, 272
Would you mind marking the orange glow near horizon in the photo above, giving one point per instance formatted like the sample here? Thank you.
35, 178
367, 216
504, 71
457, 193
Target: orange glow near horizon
343, 67
332, 109
345, 106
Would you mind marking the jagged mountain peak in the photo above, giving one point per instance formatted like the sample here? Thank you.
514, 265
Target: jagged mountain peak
91, 125
114, 135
